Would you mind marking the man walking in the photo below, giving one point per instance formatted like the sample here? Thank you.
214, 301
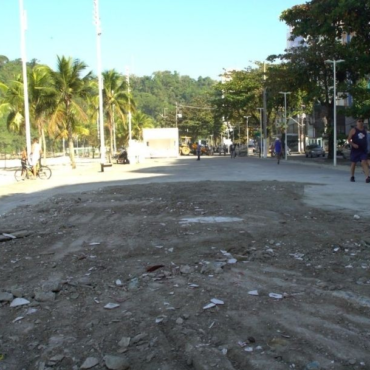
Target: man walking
199, 151
232, 150
278, 149
357, 138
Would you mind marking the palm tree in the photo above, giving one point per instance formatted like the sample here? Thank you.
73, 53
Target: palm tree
39, 95
115, 100
140, 121
12, 105
70, 88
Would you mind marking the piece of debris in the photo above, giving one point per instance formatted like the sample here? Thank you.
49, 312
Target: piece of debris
19, 302
209, 305
253, 292
119, 282
153, 268
11, 236
111, 306
276, 295
217, 301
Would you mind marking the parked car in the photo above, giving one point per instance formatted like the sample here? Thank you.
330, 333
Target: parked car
344, 151
251, 148
314, 150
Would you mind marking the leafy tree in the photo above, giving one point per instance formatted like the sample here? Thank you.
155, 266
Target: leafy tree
346, 20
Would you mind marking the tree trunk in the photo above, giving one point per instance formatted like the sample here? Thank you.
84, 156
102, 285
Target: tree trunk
71, 148
111, 138
43, 143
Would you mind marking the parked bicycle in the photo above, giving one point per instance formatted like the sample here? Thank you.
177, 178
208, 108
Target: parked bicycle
25, 172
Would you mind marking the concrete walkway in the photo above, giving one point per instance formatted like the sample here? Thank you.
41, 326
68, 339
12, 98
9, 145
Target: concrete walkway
325, 186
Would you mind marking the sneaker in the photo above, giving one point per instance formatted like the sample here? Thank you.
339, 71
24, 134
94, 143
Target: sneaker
352, 179
367, 179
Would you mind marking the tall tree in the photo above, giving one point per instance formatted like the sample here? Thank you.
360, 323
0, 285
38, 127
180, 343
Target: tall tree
70, 87
115, 100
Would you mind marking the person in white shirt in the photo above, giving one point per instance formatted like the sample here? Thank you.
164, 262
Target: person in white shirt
35, 155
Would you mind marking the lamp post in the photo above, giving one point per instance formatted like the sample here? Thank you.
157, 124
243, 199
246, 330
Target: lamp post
286, 124
100, 81
129, 106
334, 62
246, 117
261, 110
25, 83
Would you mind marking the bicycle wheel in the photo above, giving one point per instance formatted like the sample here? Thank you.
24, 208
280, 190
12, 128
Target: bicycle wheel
44, 173
19, 176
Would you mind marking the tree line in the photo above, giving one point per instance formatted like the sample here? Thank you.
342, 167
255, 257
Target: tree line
63, 102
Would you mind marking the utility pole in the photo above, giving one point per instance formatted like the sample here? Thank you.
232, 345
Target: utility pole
286, 124
25, 81
261, 142
247, 117
129, 105
100, 82
176, 115
334, 62
264, 115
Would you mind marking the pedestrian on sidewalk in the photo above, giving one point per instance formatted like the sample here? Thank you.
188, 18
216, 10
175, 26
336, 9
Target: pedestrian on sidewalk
278, 149
357, 138
368, 148
35, 156
199, 151
232, 150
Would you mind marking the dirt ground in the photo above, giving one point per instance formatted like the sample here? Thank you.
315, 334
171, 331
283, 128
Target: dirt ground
124, 278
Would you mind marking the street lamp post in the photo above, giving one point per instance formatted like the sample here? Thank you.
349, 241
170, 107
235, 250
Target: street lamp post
286, 124
25, 83
100, 83
334, 62
261, 149
246, 117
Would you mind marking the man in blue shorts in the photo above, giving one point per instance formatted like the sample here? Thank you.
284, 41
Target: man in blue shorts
357, 138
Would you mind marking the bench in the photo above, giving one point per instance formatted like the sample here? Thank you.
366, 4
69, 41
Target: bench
103, 165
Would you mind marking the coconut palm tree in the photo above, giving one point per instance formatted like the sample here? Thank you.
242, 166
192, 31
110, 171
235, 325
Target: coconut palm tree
40, 100
70, 86
139, 122
115, 100
12, 105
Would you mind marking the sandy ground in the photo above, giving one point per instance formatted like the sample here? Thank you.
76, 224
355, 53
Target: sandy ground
220, 264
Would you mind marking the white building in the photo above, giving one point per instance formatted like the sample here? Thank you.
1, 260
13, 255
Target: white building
161, 142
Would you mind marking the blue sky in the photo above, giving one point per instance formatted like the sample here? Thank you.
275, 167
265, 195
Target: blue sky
192, 37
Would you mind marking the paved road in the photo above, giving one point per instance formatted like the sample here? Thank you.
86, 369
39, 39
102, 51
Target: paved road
325, 186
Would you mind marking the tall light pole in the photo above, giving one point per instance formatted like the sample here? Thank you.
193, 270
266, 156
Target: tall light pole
334, 62
129, 106
100, 81
264, 114
25, 81
286, 124
247, 117
261, 110
176, 115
